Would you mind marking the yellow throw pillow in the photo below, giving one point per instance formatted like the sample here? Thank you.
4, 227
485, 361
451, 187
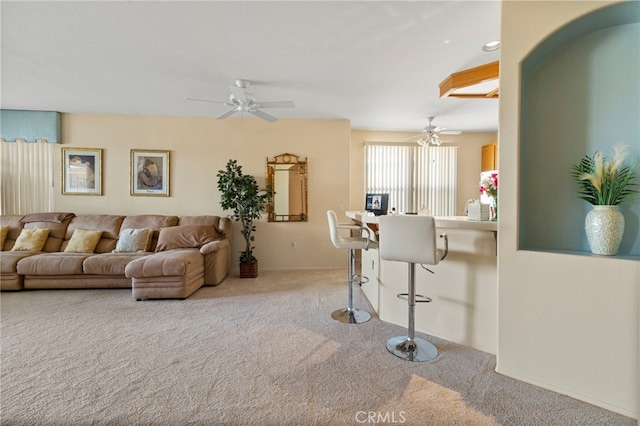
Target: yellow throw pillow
3, 235
31, 240
134, 240
83, 241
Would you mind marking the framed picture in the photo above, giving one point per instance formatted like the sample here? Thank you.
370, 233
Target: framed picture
149, 172
81, 171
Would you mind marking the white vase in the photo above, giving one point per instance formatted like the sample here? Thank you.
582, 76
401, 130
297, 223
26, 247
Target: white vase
604, 226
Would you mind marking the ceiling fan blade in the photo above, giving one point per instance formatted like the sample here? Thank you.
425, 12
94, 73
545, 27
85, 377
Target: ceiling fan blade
264, 115
417, 135
450, 132
227, 113
207, 100
276, 104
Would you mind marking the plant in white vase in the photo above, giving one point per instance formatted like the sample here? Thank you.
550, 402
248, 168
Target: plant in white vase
605, 184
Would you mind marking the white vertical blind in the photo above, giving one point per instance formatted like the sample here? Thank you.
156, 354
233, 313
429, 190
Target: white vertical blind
414, 177
27, 177
441, 181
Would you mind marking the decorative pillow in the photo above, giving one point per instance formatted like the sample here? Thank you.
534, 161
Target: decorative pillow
31, 239
134, 240
3, 235
187, 236
83, 241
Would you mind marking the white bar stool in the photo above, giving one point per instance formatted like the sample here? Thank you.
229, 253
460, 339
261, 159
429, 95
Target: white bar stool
411, 239
350, 315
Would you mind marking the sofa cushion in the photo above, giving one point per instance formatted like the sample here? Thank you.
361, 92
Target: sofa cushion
57, 232
9, 260
109, 263
199, 220
165, 263
152, 221
187, 236
54, 217
134, 240
83, 241
53, 264
31, 240
15, 226
108, 224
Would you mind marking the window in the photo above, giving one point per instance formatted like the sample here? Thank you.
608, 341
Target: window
415, 177
27, 177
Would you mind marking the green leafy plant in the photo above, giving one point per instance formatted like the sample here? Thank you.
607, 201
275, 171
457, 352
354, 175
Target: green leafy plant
242, 195
604, 182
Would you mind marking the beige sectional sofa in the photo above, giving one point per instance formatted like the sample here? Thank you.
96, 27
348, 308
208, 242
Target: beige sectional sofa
180, 255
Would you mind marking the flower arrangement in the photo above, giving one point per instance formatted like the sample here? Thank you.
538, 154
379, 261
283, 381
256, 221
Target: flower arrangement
603, 182
489, 185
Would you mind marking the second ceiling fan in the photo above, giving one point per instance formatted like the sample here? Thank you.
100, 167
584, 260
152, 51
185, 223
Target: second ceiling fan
240, 100
431, 134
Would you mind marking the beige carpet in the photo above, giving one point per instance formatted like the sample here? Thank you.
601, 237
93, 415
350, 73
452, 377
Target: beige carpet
249, 352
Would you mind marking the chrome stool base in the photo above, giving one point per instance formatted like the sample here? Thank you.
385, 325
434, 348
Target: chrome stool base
351, 316
416, 350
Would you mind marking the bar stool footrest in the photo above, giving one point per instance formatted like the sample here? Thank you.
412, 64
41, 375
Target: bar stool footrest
359, 279
419, 298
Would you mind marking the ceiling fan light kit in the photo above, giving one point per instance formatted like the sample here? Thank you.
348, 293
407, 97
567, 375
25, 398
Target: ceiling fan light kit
431, 134
242, 101
432, 139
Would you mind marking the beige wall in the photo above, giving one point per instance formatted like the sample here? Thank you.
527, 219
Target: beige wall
469, 157
200, 146
566, 322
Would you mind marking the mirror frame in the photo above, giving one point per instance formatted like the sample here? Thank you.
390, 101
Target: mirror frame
300, 164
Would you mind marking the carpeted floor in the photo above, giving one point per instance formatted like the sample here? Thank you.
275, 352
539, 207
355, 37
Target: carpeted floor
248, 352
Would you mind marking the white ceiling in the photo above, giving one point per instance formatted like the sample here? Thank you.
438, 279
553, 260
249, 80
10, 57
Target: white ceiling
375, 63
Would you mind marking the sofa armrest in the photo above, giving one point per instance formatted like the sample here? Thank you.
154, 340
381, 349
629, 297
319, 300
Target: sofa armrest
214, 246
217, 261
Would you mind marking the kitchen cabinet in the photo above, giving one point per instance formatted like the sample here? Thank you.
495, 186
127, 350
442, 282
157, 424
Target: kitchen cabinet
490, 157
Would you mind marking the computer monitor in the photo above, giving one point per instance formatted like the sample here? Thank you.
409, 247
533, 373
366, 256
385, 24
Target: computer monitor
378, 204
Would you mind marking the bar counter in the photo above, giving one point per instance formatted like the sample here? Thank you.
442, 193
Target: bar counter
464, 286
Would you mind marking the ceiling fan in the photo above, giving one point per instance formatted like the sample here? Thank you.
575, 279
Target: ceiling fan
431, 134
241, 100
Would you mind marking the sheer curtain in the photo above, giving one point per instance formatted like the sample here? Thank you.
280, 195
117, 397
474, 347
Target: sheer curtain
27, 177
414, 177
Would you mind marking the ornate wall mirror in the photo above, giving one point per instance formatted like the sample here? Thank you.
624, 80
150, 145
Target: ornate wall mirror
287, 177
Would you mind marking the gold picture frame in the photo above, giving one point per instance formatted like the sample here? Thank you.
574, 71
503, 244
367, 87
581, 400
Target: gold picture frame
81, 171
149, 174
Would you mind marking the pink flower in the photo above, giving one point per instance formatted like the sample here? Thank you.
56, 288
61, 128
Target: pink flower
489, 185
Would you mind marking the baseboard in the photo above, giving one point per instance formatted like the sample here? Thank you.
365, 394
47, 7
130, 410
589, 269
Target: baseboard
575, 395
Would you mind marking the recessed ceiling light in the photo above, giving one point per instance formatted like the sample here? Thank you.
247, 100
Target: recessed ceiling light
491, 46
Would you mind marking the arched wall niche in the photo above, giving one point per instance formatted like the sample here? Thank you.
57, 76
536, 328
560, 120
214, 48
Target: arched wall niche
580, 93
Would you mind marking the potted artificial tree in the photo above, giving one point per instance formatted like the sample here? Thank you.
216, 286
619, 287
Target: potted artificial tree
242, 195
